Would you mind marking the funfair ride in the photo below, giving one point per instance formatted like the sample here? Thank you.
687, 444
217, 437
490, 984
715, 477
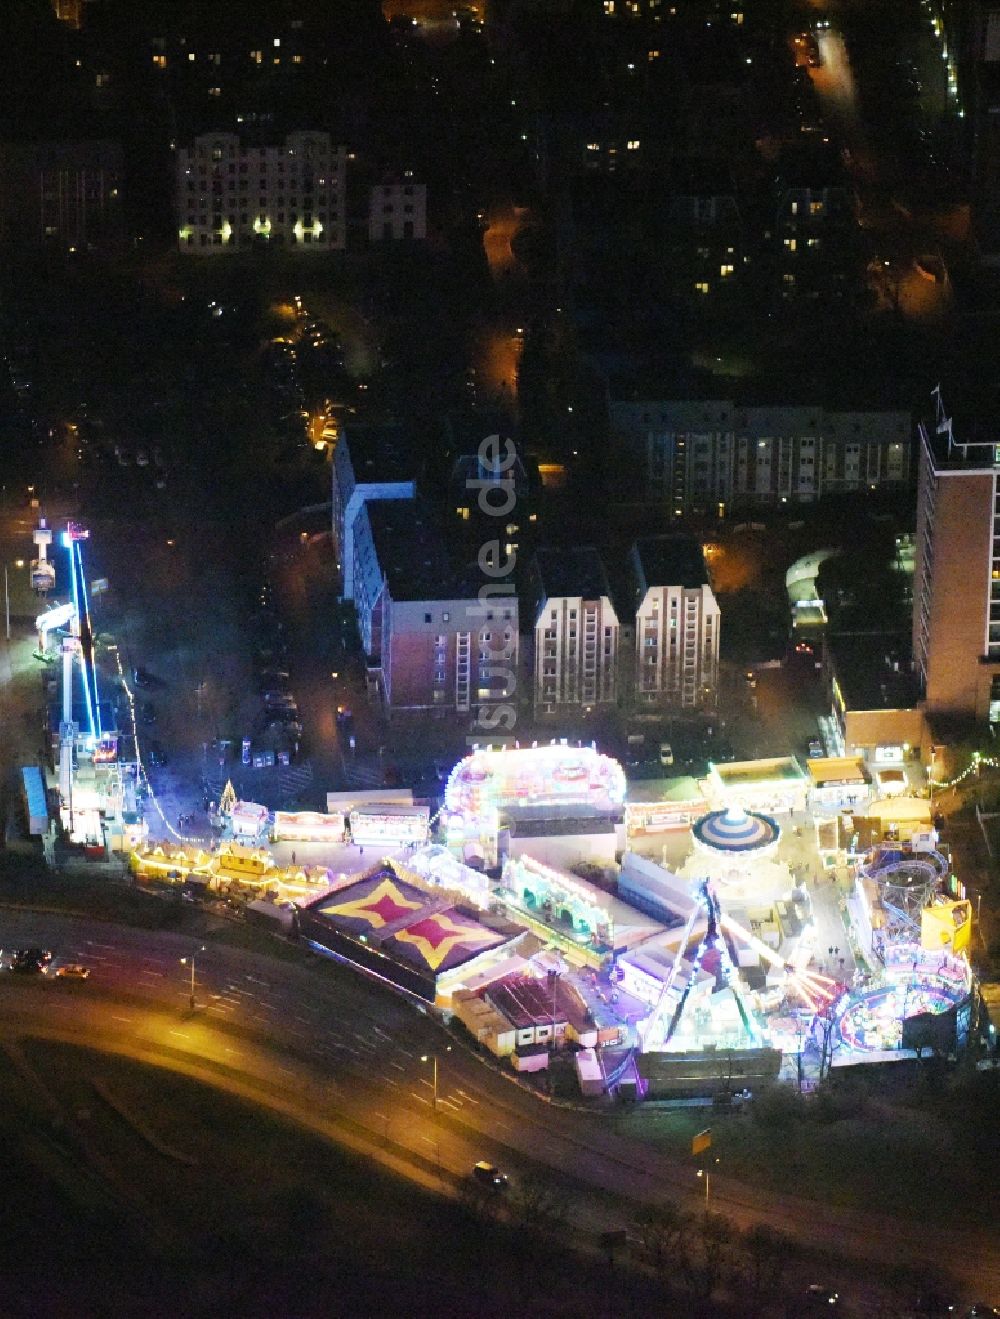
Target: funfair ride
813, 988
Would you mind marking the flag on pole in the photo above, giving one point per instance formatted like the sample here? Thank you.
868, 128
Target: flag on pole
702, 1141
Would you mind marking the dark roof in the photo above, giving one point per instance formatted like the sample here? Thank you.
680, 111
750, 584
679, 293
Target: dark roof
571, 572
526, 1001
961, 442
673, 560
811, 165
865, 668
691, 177
410, 551
379, 452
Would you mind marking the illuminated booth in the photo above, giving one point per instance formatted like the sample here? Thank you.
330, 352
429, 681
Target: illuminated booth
517, 787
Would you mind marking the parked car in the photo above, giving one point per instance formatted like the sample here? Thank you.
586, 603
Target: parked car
666, 753
815, 748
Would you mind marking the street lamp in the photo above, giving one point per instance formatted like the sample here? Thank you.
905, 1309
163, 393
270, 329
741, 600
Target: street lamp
189, 961
433, 1058
706, 1173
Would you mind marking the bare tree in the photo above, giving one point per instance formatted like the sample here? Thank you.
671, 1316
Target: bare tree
536, 1204
713, 1235
664, 1230
768, 1253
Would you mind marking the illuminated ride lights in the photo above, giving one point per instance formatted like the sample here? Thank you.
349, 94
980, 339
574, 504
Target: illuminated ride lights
182, 838
813, 988
915, 981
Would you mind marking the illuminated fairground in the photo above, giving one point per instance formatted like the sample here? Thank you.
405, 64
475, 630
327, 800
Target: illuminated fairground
704, 999
736, 849
494, 787
915, 982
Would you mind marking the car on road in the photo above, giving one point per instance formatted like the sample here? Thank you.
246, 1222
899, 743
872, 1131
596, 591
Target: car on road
73, 971
488, 1174
666, 753
149, 681
817, 1298
31, 961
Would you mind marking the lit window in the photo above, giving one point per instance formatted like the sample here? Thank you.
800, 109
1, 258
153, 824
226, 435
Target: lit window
463, 512
277, 41
191, 56
701, 287
160, 61
725, 270
632, 144
791, 244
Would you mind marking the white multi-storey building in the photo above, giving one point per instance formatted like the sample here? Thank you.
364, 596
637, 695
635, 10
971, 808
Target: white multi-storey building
677, 625
713, 456
576, 633
232, 197
396, 211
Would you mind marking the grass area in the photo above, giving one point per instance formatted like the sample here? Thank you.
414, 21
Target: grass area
268, 1220
852, 1145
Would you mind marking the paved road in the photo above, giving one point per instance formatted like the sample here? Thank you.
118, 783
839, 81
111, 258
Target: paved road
343, 1057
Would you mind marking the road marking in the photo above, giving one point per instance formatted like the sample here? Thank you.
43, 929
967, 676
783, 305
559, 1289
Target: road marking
420, 1099
389, 1081
398, 1066
149, 972
468, 1097
183, 1034
305, 1021
427, 1140
127, 1020
448, 1103
92, 944
428, 1084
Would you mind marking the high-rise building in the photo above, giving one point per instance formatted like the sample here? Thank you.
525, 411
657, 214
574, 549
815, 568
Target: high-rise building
576, 633
232, 197
370, 462
717, 456
956, 590
433, 643
677, 625
61, 194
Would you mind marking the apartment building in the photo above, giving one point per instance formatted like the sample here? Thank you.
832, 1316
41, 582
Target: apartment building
956, 590
718, 456
232, 198
370, 462
677, 625
576, 633
64, 195
397, 210
435, 643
